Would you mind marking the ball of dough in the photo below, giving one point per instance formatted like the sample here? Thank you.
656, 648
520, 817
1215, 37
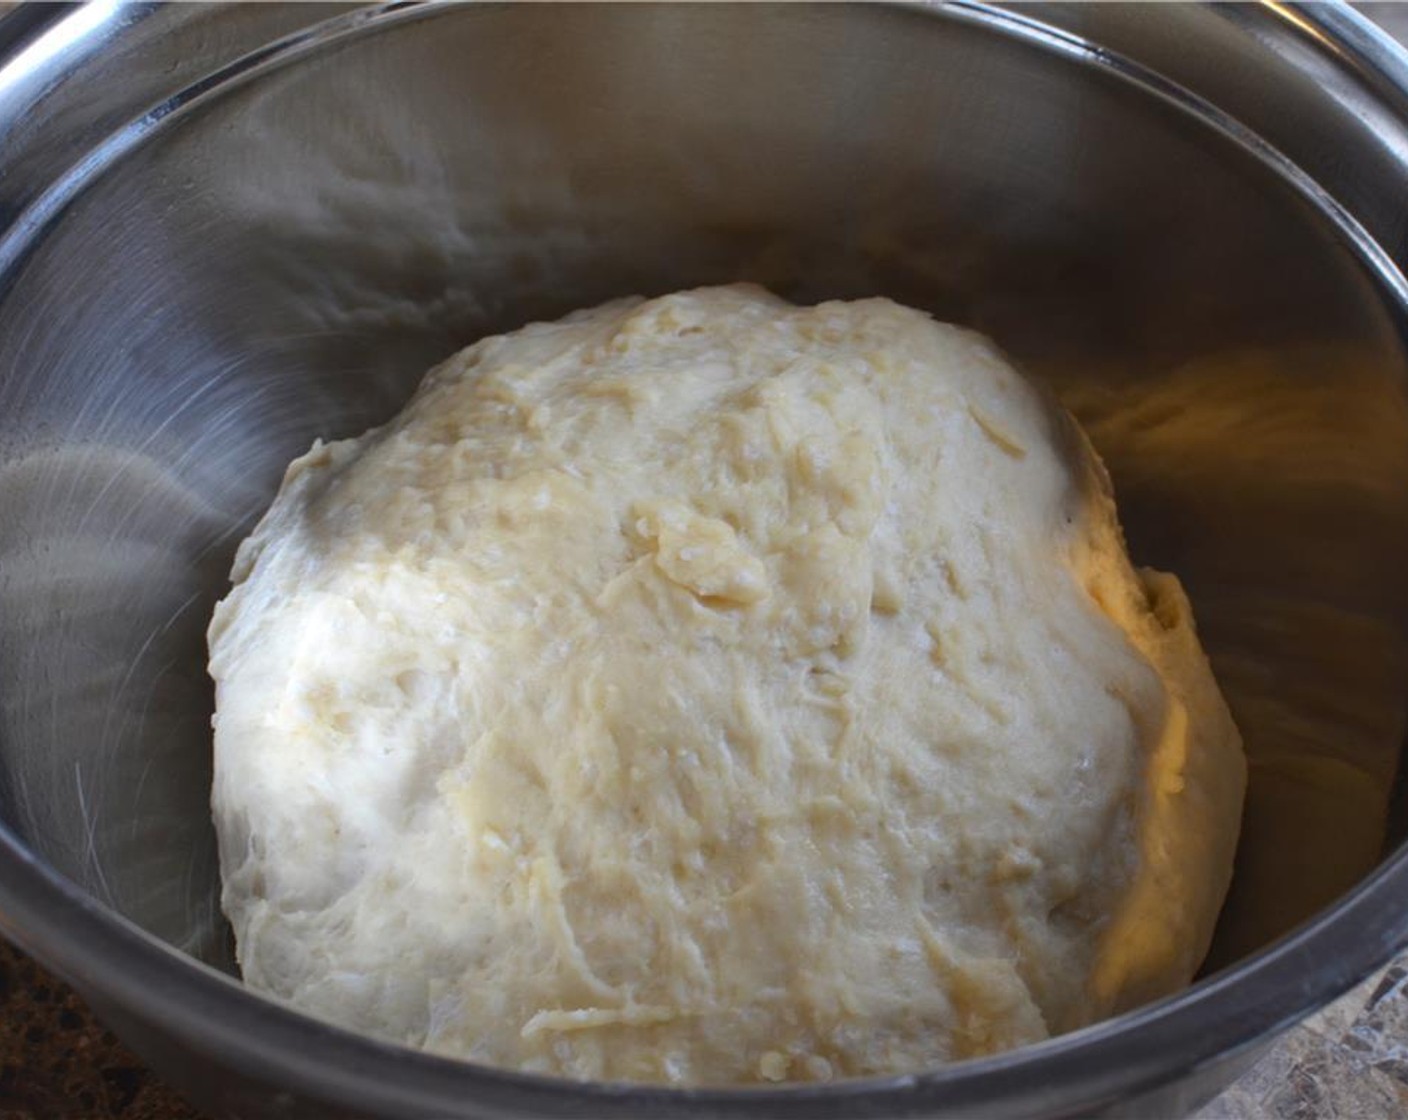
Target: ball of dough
712, 690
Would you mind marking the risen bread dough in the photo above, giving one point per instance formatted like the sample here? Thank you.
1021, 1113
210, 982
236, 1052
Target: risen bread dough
712, 690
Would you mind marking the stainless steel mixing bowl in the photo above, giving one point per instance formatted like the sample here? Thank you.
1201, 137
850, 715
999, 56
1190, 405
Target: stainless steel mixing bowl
225, 230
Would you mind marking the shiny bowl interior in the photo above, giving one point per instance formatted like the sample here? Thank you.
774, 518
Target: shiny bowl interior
225, 232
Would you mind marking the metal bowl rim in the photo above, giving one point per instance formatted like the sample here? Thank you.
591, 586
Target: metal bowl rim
111, 959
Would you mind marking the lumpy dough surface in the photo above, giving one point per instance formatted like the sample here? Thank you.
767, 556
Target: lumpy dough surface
712, 690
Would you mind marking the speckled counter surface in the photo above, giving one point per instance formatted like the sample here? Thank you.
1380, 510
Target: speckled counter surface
57, 1063
1350, 1060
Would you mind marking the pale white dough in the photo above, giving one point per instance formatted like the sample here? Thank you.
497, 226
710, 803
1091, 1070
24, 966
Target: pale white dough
707, 689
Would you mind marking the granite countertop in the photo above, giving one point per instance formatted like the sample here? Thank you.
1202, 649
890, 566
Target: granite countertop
58, 1063
1349, 1060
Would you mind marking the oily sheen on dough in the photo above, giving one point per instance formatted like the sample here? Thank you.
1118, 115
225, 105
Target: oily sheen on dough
712, 690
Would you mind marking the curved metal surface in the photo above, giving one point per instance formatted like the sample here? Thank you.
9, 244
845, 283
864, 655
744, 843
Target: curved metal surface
223, 237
